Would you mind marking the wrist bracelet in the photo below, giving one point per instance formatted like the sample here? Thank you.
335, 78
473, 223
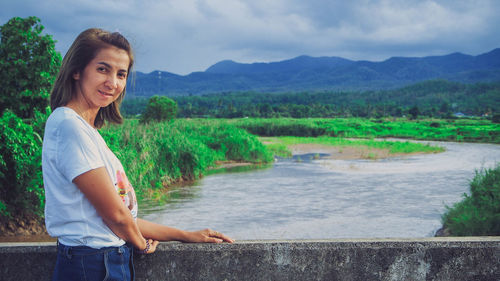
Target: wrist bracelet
145, 251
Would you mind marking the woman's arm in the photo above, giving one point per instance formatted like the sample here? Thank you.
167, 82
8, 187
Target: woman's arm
164, 233
99, 190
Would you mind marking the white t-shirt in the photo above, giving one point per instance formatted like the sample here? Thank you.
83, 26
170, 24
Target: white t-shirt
72, 147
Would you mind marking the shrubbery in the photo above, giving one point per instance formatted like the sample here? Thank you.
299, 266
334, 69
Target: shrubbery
159, 108
28, 65
478, 213
156, 155
21, 183
469, 130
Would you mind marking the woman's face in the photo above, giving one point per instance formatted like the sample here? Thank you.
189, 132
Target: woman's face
103, 79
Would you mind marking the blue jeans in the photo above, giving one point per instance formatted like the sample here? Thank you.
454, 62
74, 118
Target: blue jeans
87, 264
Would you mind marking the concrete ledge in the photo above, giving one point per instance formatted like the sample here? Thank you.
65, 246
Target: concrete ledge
471, 258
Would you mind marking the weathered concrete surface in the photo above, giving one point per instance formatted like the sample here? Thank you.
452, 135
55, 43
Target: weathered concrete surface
473, 258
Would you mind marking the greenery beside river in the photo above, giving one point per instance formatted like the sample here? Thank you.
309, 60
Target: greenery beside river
279, 145
156, 155
478, 214
459, 130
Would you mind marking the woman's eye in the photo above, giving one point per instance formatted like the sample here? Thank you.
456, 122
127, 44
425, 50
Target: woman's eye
122, 75
101, 69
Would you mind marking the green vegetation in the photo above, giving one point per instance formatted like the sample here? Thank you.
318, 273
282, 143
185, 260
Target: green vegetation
278, 149
21, 184
156, 155
392, 147
28, 65
159, 108
478, 213
434, 98
467, 130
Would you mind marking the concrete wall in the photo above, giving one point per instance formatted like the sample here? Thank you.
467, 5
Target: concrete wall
473, 258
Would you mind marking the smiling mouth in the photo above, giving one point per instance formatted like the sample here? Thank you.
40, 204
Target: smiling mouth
105, 94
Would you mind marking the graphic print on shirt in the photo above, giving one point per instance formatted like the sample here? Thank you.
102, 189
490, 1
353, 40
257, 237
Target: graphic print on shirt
126, 191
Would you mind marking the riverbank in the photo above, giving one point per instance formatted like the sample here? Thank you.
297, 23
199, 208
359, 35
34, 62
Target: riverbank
344, 153
346, 149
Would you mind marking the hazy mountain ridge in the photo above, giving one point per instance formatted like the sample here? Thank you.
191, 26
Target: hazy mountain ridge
305, 73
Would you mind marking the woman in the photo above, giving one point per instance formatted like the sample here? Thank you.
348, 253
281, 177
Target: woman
90, 205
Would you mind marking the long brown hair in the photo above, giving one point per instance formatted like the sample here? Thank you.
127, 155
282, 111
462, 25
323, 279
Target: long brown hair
82, 51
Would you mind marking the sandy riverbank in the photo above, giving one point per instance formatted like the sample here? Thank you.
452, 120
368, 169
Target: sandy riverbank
342, 153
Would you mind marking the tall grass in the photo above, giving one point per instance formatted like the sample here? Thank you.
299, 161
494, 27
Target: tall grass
461, 130
157, 155
478, 213
393, 147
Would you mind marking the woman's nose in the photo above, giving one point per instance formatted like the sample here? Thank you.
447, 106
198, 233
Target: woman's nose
112, 82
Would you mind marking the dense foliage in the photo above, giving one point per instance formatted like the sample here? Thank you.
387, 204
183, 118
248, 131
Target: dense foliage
21, 184
159, 108
469, 130
28, 65
438, 98
477, 214
155, 155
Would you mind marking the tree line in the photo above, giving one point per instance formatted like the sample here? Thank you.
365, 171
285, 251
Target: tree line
435, 98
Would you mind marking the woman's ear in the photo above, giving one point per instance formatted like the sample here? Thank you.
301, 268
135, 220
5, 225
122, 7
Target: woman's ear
76, 75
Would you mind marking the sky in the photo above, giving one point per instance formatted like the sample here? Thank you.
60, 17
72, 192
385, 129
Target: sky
184, 36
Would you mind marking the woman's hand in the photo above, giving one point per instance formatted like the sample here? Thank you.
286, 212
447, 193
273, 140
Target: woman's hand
150, 249
165, 233
207, 236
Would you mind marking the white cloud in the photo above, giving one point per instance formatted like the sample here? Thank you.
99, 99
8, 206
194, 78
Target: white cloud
190, 35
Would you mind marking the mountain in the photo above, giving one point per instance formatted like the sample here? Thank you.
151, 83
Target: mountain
306, 73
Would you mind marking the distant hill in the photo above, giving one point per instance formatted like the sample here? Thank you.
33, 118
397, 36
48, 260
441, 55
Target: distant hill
306, 73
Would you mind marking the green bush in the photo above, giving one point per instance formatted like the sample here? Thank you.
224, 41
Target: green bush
478, 213
159, 108
21, 183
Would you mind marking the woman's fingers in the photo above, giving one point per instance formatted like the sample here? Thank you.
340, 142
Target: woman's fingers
154, 244
152, 247
222, 237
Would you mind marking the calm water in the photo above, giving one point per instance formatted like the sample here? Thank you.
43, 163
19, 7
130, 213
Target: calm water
313, 199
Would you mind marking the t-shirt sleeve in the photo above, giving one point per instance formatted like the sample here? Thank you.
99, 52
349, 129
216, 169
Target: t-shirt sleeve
77, 152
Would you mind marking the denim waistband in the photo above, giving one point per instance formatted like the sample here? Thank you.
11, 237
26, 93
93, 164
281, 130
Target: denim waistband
85, 251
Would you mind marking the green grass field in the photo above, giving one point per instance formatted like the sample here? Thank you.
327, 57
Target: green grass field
460, 130
279, 145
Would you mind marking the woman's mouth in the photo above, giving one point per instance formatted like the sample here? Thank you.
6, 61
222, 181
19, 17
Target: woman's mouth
105, 94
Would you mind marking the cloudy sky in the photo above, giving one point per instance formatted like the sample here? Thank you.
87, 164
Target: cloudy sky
183, 36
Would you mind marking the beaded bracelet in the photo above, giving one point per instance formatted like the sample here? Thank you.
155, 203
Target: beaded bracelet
145, 251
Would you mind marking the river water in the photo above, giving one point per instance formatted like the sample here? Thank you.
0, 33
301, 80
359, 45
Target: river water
325, 198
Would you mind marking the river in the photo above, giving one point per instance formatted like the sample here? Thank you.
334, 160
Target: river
325, 198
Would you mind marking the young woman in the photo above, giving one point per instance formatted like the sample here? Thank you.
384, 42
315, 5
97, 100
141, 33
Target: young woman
90, 205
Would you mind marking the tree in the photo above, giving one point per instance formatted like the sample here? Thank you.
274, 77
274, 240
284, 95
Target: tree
28, 66
414, 112
159, 108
